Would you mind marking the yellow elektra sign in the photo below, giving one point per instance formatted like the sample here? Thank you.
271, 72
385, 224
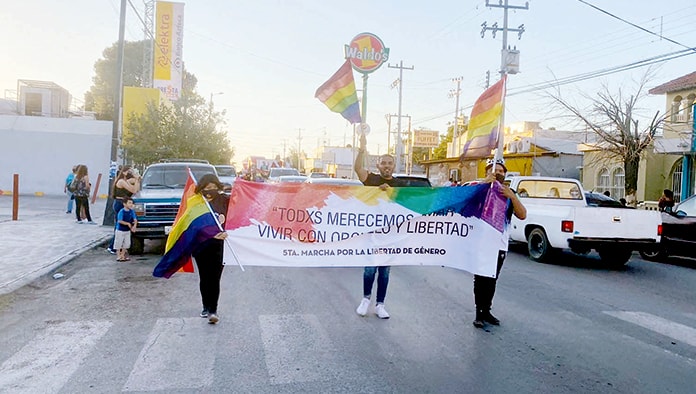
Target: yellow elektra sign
168, 67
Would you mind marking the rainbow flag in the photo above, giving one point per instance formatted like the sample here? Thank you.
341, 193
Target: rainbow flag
193, 225
315, 225
338, 93
484, 123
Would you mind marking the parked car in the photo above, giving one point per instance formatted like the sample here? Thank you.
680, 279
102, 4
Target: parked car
276, 172
318, 175
157, 203
678, 233
334, 181
227, 175
292, 179
412, 180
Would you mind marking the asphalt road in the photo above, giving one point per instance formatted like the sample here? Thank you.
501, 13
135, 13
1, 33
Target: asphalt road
570, 326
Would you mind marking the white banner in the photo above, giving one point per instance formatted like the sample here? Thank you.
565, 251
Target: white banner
306, 225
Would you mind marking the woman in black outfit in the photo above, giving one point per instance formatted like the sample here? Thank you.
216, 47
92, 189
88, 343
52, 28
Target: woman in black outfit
208, 255
125, 185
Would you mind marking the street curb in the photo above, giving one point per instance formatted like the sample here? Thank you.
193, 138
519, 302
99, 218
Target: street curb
6, 288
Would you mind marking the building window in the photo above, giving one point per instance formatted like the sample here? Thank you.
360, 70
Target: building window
677, 180
676, 105
618, 181
603, 184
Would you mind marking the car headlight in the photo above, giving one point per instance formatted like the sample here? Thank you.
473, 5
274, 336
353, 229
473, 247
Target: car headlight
139, 209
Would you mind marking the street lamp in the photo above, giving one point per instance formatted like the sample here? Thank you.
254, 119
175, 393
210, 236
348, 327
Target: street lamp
210, 114
214, 94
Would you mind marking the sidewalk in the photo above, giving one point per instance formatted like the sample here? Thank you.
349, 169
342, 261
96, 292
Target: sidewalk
43, 238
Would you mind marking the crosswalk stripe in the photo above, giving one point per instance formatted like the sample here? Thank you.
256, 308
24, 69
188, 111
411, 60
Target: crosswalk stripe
178, 354
659, 325
297, 348
48, 361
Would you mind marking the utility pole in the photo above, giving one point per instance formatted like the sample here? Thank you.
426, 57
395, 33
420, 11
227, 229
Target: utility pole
399, 142
506, 52
509, 59
455, 127
109, 219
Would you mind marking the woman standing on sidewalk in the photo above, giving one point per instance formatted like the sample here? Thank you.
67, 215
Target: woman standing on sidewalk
82, 193
126, 184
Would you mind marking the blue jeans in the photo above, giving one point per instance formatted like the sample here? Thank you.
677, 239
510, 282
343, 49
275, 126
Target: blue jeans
70, 202
118, 205
382, 282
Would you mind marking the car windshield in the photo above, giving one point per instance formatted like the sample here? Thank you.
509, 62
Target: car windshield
283, 171
413, 181
600, 200
171, 176
688, 206
226, 171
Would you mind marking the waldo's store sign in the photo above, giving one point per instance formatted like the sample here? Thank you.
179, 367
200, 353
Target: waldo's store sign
366, 52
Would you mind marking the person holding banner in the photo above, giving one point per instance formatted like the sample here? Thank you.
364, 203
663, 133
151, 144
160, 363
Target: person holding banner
208, 255
384, 180
484, 287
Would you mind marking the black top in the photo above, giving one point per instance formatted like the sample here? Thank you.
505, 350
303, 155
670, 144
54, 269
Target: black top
121, 192
377, 180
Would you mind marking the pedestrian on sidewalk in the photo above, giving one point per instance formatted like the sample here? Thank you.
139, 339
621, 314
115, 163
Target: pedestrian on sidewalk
384, 180
484, 287
126, 224
209, 254
82, 189
66, 190
126, 184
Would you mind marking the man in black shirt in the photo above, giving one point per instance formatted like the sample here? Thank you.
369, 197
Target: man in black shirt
384, 180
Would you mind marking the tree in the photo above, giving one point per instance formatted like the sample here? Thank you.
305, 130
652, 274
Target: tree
100, 97
185, 129
179, 130
614, 119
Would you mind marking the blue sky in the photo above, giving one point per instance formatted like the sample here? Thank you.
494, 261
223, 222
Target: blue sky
268, 57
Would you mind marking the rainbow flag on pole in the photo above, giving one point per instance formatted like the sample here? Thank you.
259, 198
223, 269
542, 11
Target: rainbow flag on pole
339, 94
484, 123
193, 225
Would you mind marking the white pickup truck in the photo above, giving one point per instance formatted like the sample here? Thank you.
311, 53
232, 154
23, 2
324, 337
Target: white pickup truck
561, 215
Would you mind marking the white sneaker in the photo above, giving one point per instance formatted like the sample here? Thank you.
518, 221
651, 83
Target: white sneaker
362, 308
381, 312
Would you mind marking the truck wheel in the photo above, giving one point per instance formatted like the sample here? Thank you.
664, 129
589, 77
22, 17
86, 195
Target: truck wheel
657, 254
538, 245
615, 256
137, 245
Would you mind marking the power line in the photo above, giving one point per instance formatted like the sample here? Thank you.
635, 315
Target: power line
578, 78
636, 26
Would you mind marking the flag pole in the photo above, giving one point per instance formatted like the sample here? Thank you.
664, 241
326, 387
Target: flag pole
215, 217
501, 126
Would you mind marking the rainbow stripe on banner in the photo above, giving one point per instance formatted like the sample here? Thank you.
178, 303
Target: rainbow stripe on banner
339, 94
315, 225
193, 225
484, 123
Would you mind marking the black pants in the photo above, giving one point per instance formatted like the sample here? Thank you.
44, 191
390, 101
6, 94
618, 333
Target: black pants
81, 202
209, 262
484, 287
